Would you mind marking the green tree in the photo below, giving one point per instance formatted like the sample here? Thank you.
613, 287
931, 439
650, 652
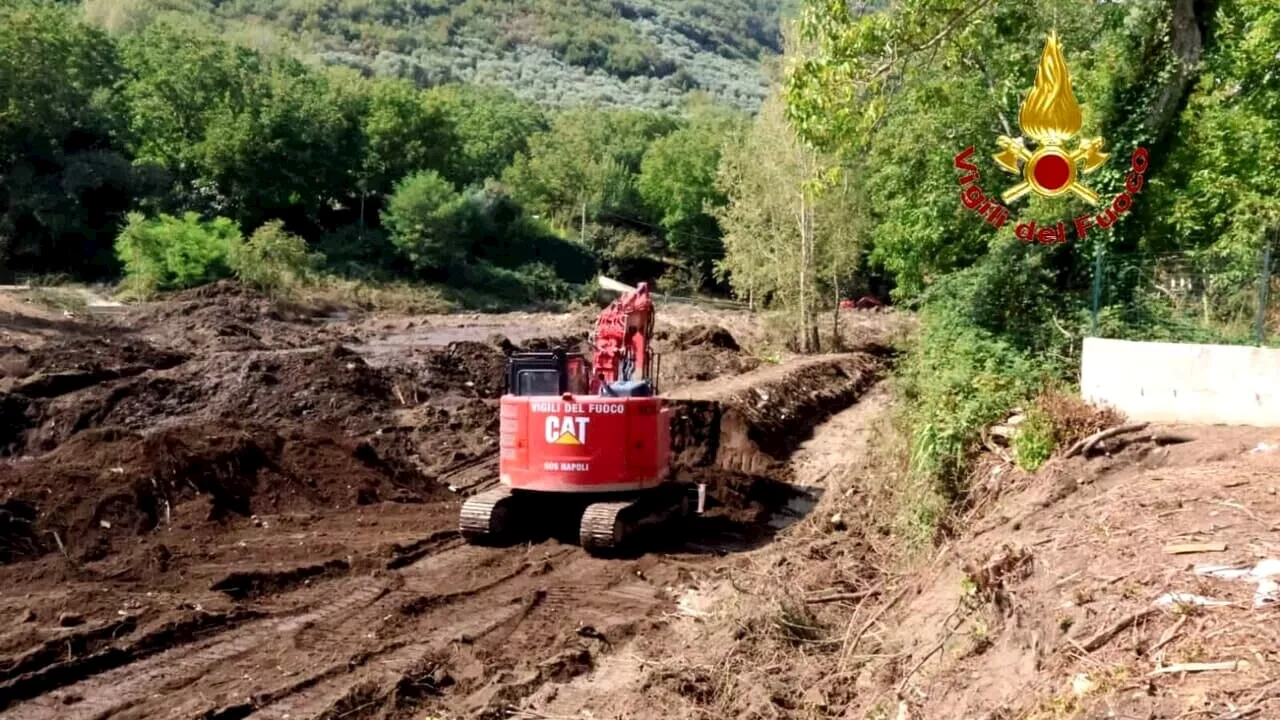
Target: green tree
900, 92
490, 127
1219, 190
678, 181
63, 182
422, 216
788, 237
243, 134
169, 253
405, 130
272, 260
586, 164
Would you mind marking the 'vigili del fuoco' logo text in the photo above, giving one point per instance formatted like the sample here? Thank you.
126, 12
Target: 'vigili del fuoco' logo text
1050, 117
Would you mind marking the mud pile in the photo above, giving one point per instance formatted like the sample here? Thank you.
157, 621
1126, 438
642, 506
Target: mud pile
701, 353
104, 486
224, 316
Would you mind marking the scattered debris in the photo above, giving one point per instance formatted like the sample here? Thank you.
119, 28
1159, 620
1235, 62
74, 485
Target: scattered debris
1169, 600
1231, 665
1264, 574
68, 619
1188, 548
1088, 443
1106, 634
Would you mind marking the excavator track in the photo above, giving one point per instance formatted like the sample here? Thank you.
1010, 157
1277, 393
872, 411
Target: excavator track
486, 517
499, 516
608, 526
605, 526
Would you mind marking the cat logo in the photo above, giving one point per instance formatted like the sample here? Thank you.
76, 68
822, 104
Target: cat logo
567, 430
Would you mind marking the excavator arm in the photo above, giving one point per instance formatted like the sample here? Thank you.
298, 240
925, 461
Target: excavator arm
623, 337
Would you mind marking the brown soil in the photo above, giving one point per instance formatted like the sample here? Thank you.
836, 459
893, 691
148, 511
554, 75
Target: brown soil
214, 508
1047, 605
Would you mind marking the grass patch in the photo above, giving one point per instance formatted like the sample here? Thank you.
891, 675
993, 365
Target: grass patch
332, 294
1034, 442
58, 298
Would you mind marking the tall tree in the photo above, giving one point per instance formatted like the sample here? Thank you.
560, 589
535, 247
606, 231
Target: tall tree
585, 164
243, 134
902, 90
490, 126
63, 182
678, 181
788, 237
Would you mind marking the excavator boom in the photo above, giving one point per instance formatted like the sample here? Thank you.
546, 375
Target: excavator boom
624, 331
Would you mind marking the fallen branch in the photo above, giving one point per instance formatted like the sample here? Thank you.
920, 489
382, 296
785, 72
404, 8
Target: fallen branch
995, 449
1088, 443
852, 643
839, 597
1104, 636
1188, 548
1168, 636
1241, 714
1155, 439
950, 633
1231, 665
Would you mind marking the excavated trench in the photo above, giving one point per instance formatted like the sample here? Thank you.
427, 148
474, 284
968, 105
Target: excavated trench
739, 443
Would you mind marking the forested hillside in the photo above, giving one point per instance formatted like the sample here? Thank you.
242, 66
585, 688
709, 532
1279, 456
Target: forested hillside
156, 148
625, 53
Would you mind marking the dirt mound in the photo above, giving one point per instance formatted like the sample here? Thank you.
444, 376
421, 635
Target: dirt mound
465, 365
224, 316
103, 486
18, 418
330, 385
706, 335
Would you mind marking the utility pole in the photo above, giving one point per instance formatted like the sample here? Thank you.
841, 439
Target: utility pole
1264, 288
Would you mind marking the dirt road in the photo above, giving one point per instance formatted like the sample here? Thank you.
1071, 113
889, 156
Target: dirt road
212, 508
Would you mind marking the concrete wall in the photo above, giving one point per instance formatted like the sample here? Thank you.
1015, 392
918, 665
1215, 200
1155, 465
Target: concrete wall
1183, 382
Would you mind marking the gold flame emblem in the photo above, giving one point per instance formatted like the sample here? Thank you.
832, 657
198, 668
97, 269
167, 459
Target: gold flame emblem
1050, 116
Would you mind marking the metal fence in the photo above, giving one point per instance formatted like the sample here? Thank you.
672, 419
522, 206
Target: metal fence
1186, 297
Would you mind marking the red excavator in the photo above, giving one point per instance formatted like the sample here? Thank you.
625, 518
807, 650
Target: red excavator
585, 441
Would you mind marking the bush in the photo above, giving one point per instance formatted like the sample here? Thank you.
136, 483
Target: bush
172, 253
273, 260
492, 287
422, 214
986, 345
1035, 441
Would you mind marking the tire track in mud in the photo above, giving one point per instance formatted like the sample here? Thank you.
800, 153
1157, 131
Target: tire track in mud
113, 692
331, 640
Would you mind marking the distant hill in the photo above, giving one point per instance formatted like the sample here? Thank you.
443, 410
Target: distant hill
632, 53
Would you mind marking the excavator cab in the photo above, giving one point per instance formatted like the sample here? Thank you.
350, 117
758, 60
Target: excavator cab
547, 373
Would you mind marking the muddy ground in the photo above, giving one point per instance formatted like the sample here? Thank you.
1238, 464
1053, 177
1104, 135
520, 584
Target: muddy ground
215, 506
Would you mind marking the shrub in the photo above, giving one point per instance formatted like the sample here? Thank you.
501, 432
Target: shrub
1035, 440
534, 284
982, 350
171, 253
273, 260
421, 215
